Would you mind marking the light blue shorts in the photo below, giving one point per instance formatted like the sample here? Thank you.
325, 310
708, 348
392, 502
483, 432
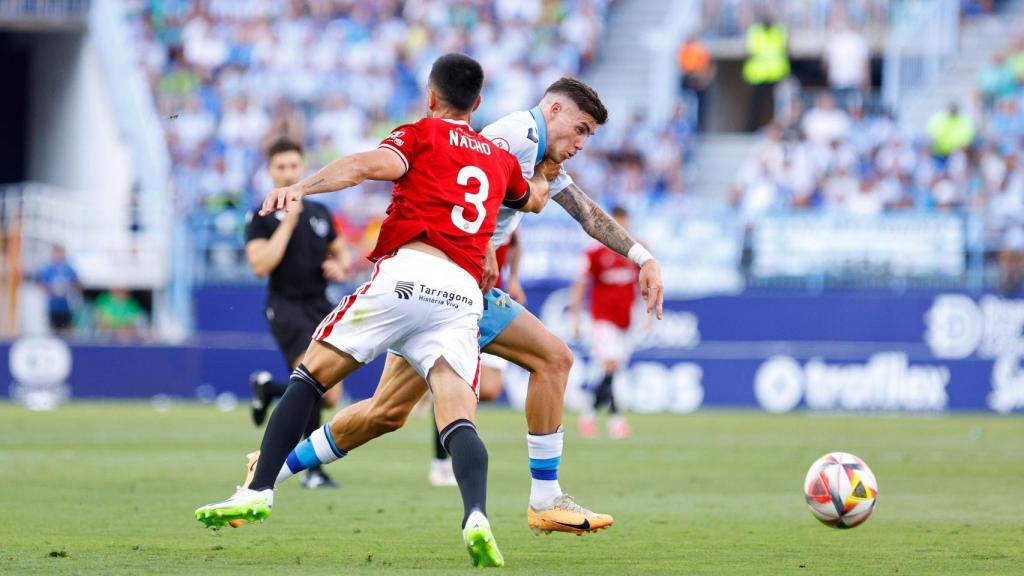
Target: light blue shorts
499, 311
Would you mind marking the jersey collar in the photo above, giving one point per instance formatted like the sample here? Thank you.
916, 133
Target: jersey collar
542, 132
459, 122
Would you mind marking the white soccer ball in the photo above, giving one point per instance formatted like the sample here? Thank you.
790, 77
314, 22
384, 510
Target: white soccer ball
841, 490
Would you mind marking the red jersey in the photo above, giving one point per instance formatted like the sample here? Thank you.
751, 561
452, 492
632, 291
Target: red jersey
613, 279
449, 196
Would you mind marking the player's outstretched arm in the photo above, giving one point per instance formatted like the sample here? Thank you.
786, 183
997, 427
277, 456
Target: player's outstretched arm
603, 228
379, 164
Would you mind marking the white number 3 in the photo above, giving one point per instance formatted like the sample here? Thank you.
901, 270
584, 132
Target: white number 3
477, 200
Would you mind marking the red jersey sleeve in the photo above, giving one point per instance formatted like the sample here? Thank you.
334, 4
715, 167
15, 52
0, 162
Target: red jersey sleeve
518, 192
403, 141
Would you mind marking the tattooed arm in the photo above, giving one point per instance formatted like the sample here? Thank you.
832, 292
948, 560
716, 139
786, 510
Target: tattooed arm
595, 221
603, 228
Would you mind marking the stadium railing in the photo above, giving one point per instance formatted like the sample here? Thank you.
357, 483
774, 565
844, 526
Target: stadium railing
897, 246
925, 35
48, 10
715, 253
41, 216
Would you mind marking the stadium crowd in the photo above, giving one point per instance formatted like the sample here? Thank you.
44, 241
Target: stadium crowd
725, 18
231, 75
830, 157
852, 160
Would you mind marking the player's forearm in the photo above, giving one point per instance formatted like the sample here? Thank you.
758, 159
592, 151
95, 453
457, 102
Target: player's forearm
595, 221
338, 175
265, 256
539, 188
341, 252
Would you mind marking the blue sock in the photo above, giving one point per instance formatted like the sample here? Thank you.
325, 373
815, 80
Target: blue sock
317, 450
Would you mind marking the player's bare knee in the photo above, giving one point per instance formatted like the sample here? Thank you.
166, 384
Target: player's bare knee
560, 359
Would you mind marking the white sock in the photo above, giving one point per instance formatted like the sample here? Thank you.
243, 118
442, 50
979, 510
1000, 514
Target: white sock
545, 456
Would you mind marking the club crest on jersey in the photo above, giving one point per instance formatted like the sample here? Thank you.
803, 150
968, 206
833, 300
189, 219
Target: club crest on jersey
502, 143
396, 137
457, 138
320, 226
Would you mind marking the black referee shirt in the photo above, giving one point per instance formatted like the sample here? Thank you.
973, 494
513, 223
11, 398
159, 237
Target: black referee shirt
299, 274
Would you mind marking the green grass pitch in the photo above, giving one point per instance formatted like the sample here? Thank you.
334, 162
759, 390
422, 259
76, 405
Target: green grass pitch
110, 489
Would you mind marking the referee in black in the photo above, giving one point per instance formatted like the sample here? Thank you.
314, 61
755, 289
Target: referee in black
300, 252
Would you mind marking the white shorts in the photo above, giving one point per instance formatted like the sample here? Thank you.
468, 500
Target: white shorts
492, 361
422, 306
609, 343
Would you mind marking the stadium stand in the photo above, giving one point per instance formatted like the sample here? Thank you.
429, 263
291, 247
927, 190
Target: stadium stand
228, 76
341, 93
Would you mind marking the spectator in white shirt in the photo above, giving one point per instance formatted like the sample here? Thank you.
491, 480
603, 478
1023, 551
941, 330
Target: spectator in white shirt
242, 123
867, 201
193, 126
824, 122
847, 63
204, 47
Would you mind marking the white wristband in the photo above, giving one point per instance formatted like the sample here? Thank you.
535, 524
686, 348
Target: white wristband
639, 255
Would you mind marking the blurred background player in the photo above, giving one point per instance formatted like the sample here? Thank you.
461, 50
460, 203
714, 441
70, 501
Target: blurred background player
300, 252
492, 368
612, 279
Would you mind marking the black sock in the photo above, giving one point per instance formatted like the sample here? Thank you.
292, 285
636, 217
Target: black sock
469, 462
314, 418
439, 452
286, 425
604, 392
274, 389
314, 421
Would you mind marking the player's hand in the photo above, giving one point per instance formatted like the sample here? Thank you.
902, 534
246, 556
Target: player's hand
334, 271
490, 275
574, 325
515, 290
288, 199
549, 168
651, 287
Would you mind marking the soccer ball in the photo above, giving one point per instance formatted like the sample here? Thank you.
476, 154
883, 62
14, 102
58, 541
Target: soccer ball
840, 490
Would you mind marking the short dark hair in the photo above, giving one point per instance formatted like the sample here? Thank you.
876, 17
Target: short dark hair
619, 212
582, 95
458, 79
283, 144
